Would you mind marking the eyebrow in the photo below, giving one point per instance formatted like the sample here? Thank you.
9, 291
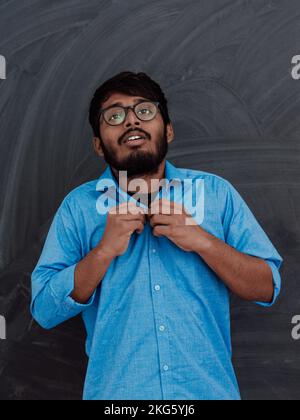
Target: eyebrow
136, 101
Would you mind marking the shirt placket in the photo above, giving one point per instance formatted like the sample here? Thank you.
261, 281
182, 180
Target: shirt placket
158, 289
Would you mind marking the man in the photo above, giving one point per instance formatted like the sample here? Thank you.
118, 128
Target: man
152, 286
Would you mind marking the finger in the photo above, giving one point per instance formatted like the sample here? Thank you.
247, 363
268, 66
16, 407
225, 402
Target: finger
190, 221
135, 209
128, 209
159, 219
166, 207
135, 226
167, 203
140, 230
161, 231
133, 218
159, 207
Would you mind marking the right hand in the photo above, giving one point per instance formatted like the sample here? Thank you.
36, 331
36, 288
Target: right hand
120, 227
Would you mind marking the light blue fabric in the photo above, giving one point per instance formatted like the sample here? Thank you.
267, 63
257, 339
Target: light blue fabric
158, 326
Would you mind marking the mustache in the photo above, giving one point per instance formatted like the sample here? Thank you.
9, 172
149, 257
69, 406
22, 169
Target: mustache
140, 131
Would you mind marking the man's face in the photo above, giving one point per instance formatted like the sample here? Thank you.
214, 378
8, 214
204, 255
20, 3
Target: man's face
137, 158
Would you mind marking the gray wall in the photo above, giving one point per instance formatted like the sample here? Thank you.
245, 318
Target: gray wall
225, 66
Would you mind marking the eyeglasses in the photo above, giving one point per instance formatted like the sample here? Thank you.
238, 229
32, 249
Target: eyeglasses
116, 115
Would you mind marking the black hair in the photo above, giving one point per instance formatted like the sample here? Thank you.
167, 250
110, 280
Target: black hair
132, 84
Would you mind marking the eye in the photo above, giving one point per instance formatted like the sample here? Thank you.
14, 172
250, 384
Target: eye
114, 117
146, 110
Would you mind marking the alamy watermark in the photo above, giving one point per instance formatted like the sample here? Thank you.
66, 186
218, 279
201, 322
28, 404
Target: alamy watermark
2, 67
296, 76
296, 67
187, 194
296, 329
2, 328
2, 319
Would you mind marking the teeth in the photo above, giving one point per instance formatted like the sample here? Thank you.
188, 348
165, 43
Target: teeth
134, 138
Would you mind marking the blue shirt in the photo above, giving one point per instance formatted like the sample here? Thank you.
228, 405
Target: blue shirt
158, 325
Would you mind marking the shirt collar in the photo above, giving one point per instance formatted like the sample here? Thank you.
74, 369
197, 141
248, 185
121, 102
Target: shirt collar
180, 193
171, 173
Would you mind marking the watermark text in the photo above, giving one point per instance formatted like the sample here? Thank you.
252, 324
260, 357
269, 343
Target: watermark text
177, 196
296, 67
2, 67
296, 329
2, 328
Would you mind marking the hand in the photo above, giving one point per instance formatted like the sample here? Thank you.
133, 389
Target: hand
122, 222
171, 220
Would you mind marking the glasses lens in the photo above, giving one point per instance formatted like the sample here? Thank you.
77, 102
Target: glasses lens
114, 116
146, 111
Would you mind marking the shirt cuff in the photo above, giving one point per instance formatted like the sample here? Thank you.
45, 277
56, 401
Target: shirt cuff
276, 283
62, 285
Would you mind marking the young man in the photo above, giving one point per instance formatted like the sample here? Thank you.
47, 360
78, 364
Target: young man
152, 286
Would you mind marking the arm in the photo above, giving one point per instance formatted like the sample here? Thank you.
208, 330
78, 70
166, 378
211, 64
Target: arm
246, 261
53, 277
91, 270
63, 283
89, 273
248, 277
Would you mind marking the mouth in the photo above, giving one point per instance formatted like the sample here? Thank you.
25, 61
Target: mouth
134, 140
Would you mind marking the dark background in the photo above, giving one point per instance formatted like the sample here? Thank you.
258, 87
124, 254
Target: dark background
225, 66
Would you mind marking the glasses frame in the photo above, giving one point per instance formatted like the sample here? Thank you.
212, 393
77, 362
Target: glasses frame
126, 109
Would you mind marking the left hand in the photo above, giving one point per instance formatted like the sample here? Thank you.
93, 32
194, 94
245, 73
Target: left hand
171, 220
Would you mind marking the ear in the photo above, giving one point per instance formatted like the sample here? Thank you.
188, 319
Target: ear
170, 133
97, 146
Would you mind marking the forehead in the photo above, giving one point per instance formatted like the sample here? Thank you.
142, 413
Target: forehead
121, 99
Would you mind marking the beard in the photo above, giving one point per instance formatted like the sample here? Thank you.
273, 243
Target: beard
140, 162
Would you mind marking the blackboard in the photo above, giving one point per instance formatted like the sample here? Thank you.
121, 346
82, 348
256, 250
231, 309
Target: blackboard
228, 68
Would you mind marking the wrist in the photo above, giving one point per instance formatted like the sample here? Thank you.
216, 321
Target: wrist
104, 253
203, 242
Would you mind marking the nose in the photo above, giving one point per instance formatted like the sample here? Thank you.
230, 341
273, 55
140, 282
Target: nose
132, 119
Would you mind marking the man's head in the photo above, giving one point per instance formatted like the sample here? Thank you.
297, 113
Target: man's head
149, 120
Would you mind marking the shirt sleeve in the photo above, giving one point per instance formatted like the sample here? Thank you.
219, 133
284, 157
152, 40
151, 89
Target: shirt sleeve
244, 233
53, 277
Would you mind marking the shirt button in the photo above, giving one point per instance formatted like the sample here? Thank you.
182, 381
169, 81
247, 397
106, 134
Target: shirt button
154, 251
157, 287
165, 368
162, 328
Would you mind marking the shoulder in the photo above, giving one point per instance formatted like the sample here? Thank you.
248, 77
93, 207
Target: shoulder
220, 195
213, 182
80, 196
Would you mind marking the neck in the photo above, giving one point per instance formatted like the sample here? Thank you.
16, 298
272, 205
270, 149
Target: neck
148, 179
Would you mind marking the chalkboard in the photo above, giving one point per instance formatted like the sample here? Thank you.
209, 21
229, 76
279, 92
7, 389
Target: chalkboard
229, 71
